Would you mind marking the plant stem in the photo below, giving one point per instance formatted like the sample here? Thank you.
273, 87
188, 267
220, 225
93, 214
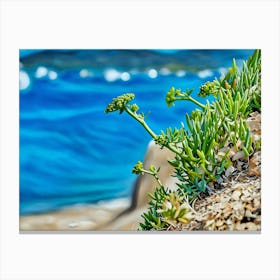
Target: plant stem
189, 98
154, 175
168, 146
141, 121
149, 130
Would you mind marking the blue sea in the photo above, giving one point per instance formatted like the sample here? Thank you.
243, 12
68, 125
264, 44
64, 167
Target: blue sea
71, 152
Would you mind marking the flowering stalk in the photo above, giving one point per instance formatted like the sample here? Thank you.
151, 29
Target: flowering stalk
141, 120
176, 95
121, 104
138, 169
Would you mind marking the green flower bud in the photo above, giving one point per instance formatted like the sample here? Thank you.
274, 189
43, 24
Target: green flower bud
177, 92
138, 168
196, 114
170, 97
153, 169
161, 140
134, 108
119, 103
207, 89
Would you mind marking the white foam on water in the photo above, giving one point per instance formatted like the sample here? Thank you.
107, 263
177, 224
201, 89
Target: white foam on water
164, 71
52, 75
85, 73
41, 72
125, 76
24, 80
205, 73
152, 73
111, 75
180, 73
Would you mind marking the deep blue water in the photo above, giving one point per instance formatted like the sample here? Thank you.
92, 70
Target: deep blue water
70, 151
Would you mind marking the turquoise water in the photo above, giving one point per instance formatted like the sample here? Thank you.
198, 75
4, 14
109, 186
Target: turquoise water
73, 153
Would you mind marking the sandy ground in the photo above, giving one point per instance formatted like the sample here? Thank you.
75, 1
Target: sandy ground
79, 217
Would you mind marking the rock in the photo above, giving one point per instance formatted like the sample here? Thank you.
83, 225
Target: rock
236, 195
219, 223
238, 155
229, 171
254, 123
249, 214
226, 210
255, 164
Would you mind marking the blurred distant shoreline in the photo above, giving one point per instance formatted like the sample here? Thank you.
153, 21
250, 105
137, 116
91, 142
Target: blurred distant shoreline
75, 217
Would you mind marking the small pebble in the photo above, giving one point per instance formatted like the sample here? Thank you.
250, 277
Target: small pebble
229, 171
236, 195
238, 156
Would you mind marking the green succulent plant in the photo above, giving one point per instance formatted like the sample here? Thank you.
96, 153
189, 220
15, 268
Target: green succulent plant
202, 150
167, 210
